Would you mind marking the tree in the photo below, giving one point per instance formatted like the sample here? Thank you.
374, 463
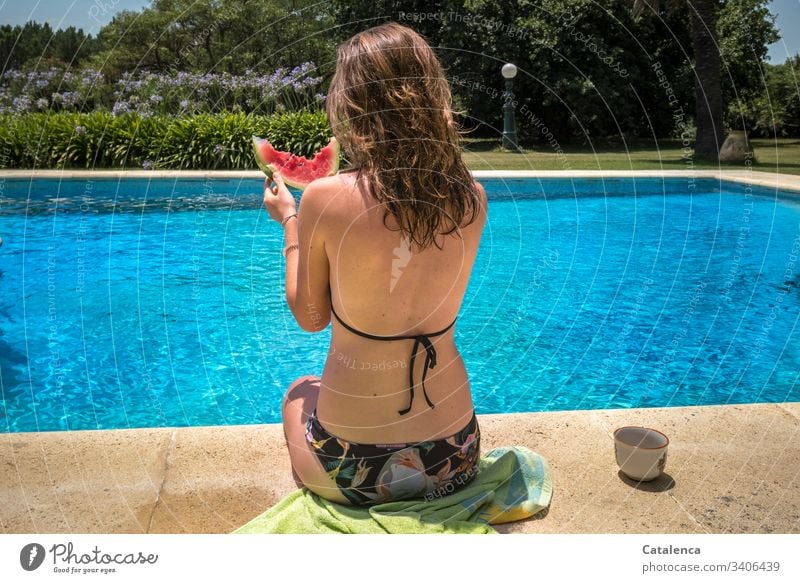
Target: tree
709, 107
217, 35
745, 30
32, 43
774, 111
583, 72
20, 44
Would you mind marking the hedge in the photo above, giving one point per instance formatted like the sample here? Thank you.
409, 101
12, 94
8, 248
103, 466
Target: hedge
203, 141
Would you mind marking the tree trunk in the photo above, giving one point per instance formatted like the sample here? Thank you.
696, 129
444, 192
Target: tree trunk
707, 82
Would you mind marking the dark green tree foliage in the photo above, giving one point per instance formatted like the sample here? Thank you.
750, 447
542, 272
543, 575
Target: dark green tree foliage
217, 35
584, 69
774, 109
27, 45
587, 69
745, 29
593, 72
729, 44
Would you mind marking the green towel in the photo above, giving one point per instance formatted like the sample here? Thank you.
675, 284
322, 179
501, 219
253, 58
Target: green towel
512, 483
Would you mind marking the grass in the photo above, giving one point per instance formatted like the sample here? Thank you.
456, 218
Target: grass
781, 155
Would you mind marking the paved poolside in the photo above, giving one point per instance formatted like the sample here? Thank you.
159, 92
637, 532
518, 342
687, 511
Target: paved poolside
730, 469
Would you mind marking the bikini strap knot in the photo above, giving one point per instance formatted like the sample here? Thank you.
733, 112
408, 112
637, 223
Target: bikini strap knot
430, 362
419, 339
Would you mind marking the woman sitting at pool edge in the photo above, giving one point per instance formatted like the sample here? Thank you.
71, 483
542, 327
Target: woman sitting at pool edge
385, 252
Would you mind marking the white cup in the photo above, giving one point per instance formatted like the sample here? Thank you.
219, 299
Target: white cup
641, 452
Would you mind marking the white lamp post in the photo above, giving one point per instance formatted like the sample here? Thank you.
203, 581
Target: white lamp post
509, 71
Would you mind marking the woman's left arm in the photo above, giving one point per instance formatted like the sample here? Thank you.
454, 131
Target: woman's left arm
307, 269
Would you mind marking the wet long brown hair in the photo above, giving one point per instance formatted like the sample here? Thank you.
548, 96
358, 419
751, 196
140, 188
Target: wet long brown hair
390, 107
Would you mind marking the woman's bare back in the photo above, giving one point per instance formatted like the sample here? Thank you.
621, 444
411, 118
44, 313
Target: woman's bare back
382, 285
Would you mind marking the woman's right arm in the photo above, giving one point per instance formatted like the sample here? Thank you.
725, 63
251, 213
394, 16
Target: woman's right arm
309, 293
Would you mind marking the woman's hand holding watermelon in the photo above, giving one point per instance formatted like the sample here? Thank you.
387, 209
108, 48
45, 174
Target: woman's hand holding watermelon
279, 201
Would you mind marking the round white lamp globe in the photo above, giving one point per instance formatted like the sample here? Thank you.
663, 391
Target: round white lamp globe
509, 71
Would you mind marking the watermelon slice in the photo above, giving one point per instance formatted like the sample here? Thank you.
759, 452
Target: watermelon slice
297, 171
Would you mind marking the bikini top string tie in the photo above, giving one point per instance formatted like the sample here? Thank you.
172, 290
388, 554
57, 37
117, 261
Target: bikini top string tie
430, 356
430, 362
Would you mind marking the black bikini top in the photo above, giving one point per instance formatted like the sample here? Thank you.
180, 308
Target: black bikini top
430, 357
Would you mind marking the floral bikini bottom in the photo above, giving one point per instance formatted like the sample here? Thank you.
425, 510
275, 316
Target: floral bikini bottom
369, 474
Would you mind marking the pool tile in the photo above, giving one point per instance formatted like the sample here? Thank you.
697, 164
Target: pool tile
730, 469
589, 493
81, 481
219, 478
734, 467
792, 408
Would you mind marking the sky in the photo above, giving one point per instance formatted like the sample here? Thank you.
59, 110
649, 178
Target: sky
91, 15
788, 12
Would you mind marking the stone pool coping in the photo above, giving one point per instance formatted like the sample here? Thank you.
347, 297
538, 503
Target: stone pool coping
772, 180
730, 469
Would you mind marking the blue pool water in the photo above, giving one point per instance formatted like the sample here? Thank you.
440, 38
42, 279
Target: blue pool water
160, 303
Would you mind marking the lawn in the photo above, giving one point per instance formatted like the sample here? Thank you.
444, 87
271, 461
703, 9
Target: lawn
782, 155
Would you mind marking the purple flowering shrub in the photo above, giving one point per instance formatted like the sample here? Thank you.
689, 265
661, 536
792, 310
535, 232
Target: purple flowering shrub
58, 118
148, 93
53, 89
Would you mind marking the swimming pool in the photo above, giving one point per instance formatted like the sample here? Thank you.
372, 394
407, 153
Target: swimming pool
136, 303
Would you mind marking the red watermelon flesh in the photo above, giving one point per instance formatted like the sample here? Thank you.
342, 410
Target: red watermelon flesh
297, 171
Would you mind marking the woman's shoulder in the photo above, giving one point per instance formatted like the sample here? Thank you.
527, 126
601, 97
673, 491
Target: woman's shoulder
483, 199
327, 186
481, 191
331, 184
318, 196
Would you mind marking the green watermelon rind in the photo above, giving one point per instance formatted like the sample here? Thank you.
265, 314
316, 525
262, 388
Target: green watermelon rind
265, 168
269, 170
